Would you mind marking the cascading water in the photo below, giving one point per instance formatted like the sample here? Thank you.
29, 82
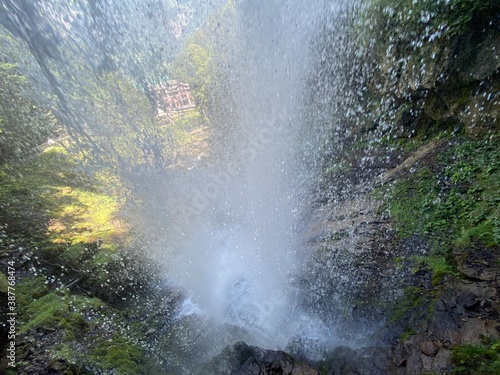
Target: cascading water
238, 263
231, 237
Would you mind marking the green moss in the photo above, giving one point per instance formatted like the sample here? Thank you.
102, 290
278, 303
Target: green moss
453, 202
103, 258
52, 312
477, 359
74, 255
109, 247
413, 298
406, 335
65, 351
439, 266
52, 309
31, 289
120, 355
52, 251
61, 313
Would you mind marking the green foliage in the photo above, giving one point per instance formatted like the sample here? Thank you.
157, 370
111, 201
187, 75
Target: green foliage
413, 299
204, 64
439, 266
183, 126
476, 359
120, 355
24, 125
196, 66
128, 135
455, 203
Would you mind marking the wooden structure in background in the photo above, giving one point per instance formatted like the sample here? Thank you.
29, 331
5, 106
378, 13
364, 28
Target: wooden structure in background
173, 98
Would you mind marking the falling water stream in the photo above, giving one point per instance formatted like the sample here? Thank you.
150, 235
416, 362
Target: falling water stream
238, 263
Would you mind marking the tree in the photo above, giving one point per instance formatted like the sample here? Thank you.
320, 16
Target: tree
24, 124
205, 63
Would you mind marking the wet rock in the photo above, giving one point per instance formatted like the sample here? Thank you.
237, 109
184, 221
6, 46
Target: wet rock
414, 364
465, 312
487, 59
58, 366
347, 361
350, 278
442, 362
479, 264
242, 359
429, 348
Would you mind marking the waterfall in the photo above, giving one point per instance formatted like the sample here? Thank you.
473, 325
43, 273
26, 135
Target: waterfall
238, 263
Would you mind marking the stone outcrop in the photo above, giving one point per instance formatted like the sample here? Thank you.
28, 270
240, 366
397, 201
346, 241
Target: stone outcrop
242, 359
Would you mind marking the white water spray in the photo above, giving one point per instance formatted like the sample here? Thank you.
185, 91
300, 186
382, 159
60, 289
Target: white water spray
239, 255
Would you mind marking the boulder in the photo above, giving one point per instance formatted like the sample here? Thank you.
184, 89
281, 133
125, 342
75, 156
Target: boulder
242, 359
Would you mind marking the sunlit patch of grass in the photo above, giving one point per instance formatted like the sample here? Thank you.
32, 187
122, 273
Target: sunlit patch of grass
54, 196
85, 216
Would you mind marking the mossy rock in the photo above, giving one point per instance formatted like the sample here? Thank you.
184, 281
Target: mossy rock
74, 255
32, 289
49, 312
52, 251
119, 355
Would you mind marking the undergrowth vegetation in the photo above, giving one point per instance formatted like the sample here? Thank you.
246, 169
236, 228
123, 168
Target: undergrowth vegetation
90, 333
62, 221
454, 202
477, 359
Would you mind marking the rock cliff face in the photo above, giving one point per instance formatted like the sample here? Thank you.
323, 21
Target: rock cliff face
381, 286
